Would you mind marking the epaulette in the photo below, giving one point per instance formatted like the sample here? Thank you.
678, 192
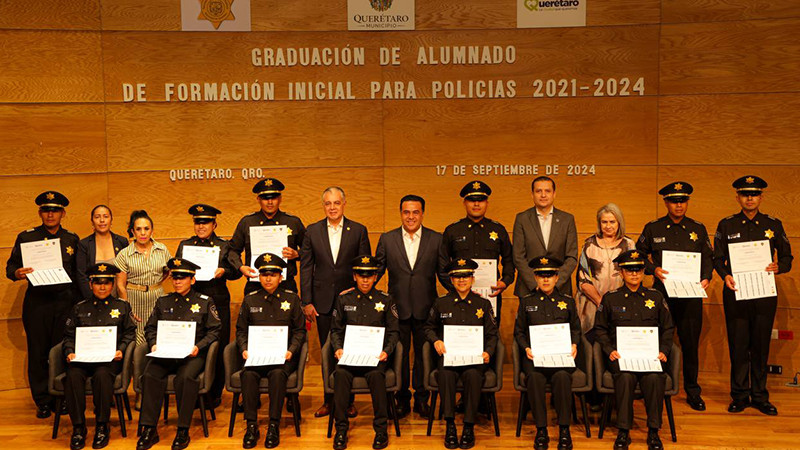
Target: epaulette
654, 221
773, 218
29, 230
729, 217
204, 296
382, 292
289, 292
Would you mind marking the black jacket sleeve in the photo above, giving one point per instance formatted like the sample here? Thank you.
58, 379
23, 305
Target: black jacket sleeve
212, 326
521, 327
242, 324
298, 328
338, 325
489, 330
392, 333
126, 331
602, 326
69, 331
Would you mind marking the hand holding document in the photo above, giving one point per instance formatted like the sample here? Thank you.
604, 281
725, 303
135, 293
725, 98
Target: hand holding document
44, 257
551, 345
463, 345
683, 279
362, 346
266, 345
638, 349
174, 339
205, 257
267, 239
748, 265
95, 344
485, 278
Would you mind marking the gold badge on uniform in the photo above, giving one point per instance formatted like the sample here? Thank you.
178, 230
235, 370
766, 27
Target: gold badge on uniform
693, 236
288, 231
379, 306
479, 313
649, 304
562, 305
195, 308
635, 255
365, 260
177, 262
544, 261
51, 196
493, 235
114, 313
769, 234
462, 262
200, 209
476, 185
101, 268
70, 250
750, 180
268, 181
285, 306
217, 11
267, 258
678, 186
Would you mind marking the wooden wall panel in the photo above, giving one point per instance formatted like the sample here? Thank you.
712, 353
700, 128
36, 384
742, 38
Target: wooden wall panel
750, 56
623, 12
522, 131
718, 10
14, 371
50, 14
155, 15
11, 292
50, 66
223, 135
50, 139
750, 129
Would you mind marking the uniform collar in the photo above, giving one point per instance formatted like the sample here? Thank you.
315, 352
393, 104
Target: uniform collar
210, 239
44, 229
276, 294
186, 297
371, 295
479, 223
458, 298
639, 291
275, 217
96, 301
743, 216
540, 295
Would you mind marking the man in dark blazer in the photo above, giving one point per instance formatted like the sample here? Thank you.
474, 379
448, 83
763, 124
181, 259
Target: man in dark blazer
325, 270
544, 231
410, 254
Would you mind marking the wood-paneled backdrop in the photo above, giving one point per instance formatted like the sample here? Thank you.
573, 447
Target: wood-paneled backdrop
722, 99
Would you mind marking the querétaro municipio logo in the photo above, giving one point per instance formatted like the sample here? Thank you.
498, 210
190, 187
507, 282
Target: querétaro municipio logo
380, 5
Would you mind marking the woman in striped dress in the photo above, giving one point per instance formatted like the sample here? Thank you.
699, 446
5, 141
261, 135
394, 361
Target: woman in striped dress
143, 266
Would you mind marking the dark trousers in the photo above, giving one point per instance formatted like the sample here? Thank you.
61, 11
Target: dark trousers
154, 386
343, 385
652, 385
472, 379
277, 376
43, 317
224, 310
560, 380
408, 328
749, 325
103, 375
323, 328
688, 316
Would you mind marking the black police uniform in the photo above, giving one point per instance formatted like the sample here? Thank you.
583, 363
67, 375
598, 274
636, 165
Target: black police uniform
44, 308
688, 235
373, 309
749, 322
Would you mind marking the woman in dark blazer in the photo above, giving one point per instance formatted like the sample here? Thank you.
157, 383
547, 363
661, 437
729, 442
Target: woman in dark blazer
100, 246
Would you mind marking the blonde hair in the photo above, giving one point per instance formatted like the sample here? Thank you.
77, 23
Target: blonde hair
613, 209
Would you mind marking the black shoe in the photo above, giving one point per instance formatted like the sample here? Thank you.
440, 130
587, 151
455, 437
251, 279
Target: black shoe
623, 440
101, 436
451, 435
564, 439
273, 436
403, 408
78, 439
422, 408
148, 438
766, 408
340, 440
251, 436
541, 440
653, 441
381, 440
181, 440
467, 437
460, 406
696, 403
43, 411
352, 412
738, 406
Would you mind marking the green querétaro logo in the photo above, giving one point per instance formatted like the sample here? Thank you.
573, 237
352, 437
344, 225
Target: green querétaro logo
380, 5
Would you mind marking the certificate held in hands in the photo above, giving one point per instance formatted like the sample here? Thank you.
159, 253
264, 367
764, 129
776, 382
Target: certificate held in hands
362, 346
205, 257
267, 239
266, 345
551, 345
174, 339
638, 349
95, 344
486, 277
748, 263
683, 277
463, 345
44, 257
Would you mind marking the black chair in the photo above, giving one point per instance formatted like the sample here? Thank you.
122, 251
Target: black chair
206, 378
58, 375
492, 383
581, 383
360, 385
605, 386
233, 382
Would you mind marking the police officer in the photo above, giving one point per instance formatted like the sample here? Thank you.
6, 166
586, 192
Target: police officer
100, 310
205, 222
271, 306
634, 305
676, 232
363, 306
461, 307
45, 308
477, 237
187, 305
749, 322
544, 306
269, 194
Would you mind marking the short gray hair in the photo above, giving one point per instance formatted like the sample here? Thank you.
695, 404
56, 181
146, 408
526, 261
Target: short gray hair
613, 209
333, 189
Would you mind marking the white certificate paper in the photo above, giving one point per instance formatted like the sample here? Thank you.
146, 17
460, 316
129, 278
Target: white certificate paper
362, 345
638, 349
174, 339
95, 344
748, 261
205, 257
683, 279
267, 239
44, 257
463, 345
551, 345
266, 345
485, 278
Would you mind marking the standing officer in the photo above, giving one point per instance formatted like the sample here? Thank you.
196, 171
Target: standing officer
100, 310
749, 322
269, 193
363, 306
544, 306
45, 308
461, 306
188, 305
205, 222
676, 232
269, 306
634, 305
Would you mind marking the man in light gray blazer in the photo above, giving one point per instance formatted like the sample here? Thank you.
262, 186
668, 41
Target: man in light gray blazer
544, 230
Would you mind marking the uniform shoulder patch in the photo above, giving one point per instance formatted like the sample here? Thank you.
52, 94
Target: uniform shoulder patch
81, 302
29, 230
773, 218
566, 295
695, 221
288, 291
384, 293
250, 293
204, 296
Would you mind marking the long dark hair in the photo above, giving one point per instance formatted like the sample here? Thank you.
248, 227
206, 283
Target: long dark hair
136, 215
